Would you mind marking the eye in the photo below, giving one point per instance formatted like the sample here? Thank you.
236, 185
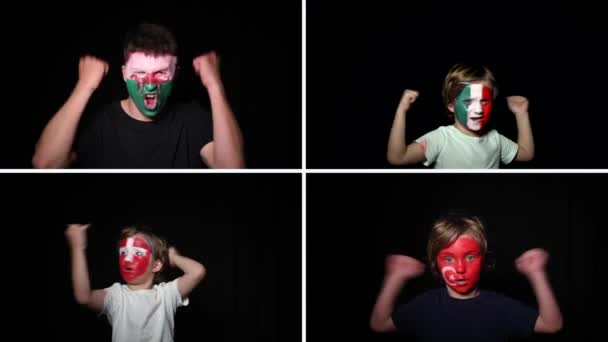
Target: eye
448, 259
485, 101
123, 252
467, 102
470, 257
140, 253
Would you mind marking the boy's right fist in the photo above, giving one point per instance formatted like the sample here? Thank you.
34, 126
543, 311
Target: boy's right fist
77, 235
403, 266
408, 97
91, 71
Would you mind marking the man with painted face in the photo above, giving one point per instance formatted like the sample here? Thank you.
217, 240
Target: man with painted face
461, 310
143, 308
144, 130
469, 92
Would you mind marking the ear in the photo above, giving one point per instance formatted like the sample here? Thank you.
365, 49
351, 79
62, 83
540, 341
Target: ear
451, 107
158, 265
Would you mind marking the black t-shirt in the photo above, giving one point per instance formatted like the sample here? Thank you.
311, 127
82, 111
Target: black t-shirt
113, 139
436, 316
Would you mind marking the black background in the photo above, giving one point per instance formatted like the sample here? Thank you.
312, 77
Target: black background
259, 45
354, 221
361, 57
246, 229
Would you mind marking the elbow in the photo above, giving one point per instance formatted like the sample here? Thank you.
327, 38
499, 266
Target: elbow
40, 162
556, 327
200, 273
82, 299
379, 326
395, 158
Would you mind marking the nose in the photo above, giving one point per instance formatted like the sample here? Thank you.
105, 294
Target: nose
477, 107
129, 258
149, 87
460, 267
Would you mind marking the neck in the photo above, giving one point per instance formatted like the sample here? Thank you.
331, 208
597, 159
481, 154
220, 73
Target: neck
471, 294
131, 109
143, 286
465, 130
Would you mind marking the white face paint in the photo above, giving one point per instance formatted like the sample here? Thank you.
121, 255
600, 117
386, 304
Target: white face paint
449, 275
140, 65
129, 251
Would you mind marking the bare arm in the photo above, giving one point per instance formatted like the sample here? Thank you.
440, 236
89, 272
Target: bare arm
398, 152
194, 272
525, 141
399, 269
76, 235
226, 149
54, 147
532, 264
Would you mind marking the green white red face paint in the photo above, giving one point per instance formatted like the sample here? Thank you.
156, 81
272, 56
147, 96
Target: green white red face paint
473, 106
149, 81
460, 264
134, 257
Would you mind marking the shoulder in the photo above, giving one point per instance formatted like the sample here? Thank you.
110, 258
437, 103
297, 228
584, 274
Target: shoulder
191, 107
104, 112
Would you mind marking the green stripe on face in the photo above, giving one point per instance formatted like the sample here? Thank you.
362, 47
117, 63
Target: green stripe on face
460, 108
162, 90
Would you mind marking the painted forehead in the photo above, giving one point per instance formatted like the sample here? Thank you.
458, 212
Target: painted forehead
476, 90
463, 244
135, 241
139, 61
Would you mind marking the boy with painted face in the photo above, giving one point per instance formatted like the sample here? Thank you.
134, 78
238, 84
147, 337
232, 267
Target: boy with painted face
143, 308
469, 93
143, 131
461, 310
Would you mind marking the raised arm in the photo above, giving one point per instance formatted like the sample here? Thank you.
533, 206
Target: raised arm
54, 147
226, 149
399, 269
194, 272
525, 141
398, 152
76, 235
532, 265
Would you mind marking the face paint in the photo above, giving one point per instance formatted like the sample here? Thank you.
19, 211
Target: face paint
473, 106
134, 258
149, 81
460, 264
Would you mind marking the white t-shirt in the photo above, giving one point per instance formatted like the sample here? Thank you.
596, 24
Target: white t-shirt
448, 148
142, 315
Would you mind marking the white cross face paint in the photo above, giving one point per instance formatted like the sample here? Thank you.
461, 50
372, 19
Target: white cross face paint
129, 251
140, 66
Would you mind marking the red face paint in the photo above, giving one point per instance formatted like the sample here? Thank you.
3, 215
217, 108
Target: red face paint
134, 257
460, 264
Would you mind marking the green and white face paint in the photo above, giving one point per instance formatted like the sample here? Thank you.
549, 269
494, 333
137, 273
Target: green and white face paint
149, 81
473, 106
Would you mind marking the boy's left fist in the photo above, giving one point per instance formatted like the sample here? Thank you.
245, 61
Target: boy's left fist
532, 261
517, 104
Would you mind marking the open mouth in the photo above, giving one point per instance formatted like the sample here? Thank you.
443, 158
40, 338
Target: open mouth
150, 100
461, 282
128, 269
477, 118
